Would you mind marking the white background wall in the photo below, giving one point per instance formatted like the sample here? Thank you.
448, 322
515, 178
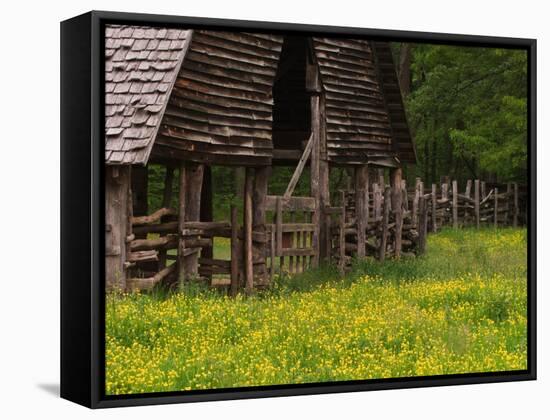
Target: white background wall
29, 197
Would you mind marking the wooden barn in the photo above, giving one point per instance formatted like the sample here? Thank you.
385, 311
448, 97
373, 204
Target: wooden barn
192, 99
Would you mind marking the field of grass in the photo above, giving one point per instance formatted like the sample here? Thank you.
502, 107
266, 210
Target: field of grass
460, 308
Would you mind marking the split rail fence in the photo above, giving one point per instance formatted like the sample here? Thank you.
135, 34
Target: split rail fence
395, 222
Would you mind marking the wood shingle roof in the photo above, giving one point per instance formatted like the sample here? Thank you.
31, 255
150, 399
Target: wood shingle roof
141, 66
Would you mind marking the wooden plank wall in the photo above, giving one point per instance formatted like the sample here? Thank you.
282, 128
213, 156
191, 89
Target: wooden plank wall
220, 110
357, 120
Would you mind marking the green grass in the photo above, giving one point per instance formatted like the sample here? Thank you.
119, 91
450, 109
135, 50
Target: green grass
460, 308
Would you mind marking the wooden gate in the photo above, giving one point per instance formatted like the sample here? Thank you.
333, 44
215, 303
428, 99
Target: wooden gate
293, 244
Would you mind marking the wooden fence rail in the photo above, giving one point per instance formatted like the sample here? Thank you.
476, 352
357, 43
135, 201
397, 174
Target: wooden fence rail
376, 220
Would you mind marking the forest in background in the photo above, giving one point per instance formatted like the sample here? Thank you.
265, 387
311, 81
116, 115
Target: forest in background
467, 112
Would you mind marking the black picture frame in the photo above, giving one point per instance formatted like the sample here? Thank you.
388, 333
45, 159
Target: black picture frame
82, 215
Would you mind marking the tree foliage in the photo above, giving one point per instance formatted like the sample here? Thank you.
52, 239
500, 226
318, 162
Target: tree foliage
468, 112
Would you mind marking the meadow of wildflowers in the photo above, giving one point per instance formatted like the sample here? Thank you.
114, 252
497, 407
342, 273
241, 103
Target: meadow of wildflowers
461, 308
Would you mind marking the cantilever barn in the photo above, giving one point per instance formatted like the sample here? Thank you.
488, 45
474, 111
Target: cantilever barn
192, 99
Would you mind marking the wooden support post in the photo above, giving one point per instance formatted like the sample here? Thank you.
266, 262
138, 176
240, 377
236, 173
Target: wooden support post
342, 234
258, 220
385, 224
181, 222
117, 193
495, 210
234, 252
455, 204
516, 205
166, 202
396, 176
129, 227
314, 179
476, 201
483, 190
361, 207
194, 176
324, 194
377, 201
248, 216
434, 208
422, 224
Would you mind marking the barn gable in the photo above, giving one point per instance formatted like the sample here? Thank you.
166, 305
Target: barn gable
208, 96
220, 110
358, 125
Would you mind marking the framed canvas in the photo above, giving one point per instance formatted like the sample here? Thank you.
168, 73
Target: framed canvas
255, 209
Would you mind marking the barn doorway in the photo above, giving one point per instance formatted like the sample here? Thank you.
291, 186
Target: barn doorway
291, 101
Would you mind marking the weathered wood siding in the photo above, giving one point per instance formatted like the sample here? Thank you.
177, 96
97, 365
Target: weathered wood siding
401, 137
357, 124
220, 110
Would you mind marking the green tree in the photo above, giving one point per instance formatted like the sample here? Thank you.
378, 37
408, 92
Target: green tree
468, 112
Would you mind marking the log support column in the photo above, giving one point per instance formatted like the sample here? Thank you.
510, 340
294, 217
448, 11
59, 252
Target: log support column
190, 187
118, 213
259, 195
315, 175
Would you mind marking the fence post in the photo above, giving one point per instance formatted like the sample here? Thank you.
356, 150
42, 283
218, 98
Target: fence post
397, 207
422, 224
385, 223
476, 201
495, 214
468, 195
434, 208
483, 191
455, 204
414, 215
468, 191
508, 194
516, 205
